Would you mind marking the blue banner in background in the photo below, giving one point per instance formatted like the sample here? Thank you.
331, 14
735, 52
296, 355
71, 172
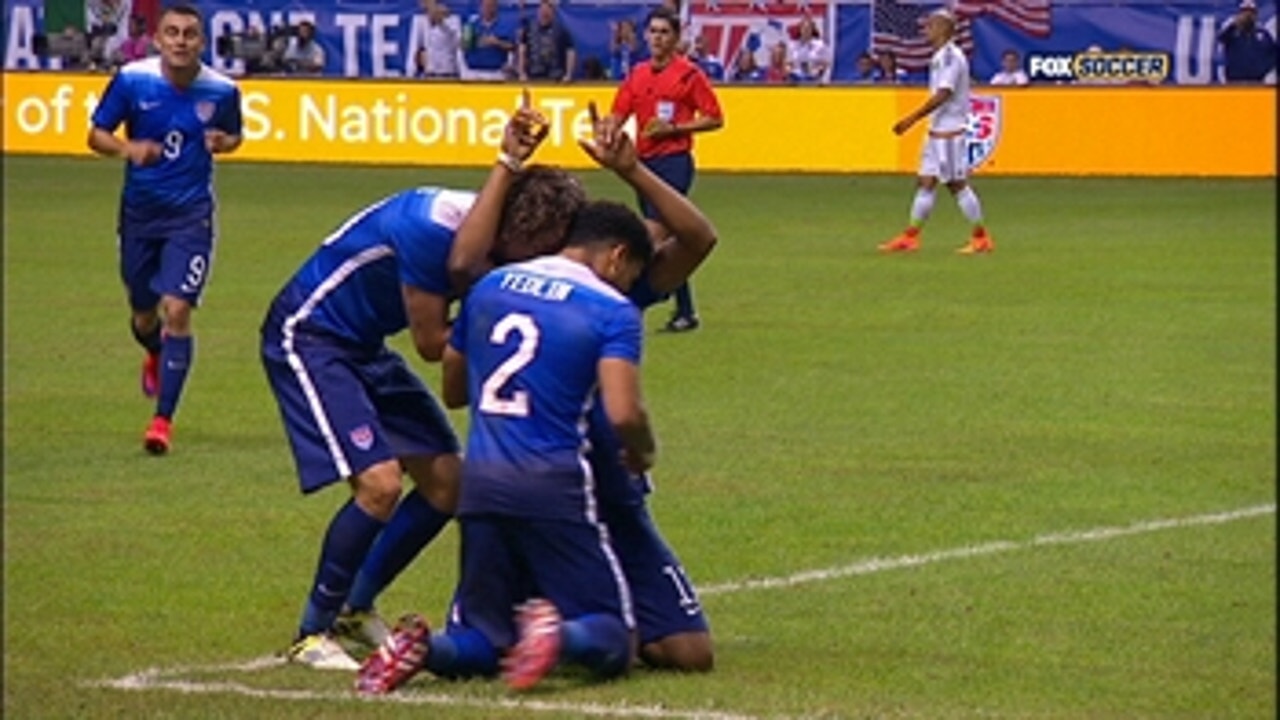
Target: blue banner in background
378, 38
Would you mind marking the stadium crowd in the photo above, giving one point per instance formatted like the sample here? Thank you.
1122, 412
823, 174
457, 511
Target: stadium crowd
507, 43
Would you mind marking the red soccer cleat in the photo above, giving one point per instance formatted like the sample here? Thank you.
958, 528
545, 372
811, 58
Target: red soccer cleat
156, 440
538, 649
151, 375
396, 660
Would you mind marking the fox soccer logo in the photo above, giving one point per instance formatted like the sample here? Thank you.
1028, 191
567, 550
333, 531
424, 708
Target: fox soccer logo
983, 130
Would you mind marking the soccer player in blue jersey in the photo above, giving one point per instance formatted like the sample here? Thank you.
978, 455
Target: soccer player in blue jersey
532, 344
672, 630
178, 113
352, 408
671, 627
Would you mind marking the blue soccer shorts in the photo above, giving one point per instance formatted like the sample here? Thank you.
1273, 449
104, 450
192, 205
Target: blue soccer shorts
347, 408
675, 170
506, 560
170, 254
664, 600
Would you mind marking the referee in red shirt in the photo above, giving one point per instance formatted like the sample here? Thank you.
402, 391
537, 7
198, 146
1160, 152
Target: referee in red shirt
671, 99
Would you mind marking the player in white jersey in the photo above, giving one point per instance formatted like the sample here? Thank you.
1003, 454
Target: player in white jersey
945, 155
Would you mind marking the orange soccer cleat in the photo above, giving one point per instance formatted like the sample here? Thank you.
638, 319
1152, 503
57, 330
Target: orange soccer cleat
977, 245
903, 243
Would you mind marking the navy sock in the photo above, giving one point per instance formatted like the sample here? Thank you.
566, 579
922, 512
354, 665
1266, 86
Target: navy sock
684, 300
462, 653
598, 642
345, 546
175, 362
150, 341
413, 525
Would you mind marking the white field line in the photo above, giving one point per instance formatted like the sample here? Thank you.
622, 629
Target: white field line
171, 678
138, 682
875, 565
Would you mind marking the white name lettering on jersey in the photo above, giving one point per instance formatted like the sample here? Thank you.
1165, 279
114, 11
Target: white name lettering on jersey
544, 288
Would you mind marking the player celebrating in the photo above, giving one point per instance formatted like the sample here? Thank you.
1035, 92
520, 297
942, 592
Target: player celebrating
177, 114
529, 349
672, 100
672, 629
352, 408
944, 154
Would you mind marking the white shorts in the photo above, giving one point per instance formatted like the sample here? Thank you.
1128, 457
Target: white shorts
945, 158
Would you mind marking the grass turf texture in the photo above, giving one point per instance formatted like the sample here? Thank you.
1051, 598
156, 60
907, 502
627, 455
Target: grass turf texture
1112, 363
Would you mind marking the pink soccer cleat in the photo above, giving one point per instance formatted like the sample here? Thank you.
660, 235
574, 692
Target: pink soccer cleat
399, 658
538, 649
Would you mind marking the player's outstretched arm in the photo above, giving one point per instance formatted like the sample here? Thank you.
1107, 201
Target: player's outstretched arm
469, 256
695, 236
624, 406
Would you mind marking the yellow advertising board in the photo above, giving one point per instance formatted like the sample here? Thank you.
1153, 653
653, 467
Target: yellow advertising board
1174, 131
1034, 131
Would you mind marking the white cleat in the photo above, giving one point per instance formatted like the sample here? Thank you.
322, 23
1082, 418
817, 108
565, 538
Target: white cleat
361, 630
322, 653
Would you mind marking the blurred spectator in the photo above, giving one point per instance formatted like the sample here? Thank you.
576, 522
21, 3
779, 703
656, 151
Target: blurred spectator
138, 44
745, 69
710, 64
889, 70
443, 42
545, 50
1250, 50
810, 58
487, 43
71, 48
304, 56
865, 70
593, 69
1010, 70
277, 43
625, 49
779, 69
420, 63
104, 46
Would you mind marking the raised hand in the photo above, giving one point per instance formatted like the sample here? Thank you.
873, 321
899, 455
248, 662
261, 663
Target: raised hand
609, 146
525, 131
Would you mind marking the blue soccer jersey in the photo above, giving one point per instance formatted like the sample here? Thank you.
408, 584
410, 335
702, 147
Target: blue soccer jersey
152, 108
351, 286
533, 335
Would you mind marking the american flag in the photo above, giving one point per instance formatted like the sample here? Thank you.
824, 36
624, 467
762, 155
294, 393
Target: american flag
899, 28
1032, 17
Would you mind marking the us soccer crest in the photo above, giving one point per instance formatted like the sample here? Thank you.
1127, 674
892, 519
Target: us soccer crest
983, 131
204, 111
362, 437
754, 27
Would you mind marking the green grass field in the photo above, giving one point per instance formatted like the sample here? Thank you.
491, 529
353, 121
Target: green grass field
1039, 484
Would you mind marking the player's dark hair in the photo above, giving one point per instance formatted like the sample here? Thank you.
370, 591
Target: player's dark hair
183, 9
536, 214
611, 223
664, 14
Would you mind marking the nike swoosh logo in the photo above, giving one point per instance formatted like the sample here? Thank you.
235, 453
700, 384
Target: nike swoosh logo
144, 105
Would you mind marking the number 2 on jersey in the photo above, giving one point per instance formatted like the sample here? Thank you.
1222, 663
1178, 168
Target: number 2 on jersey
517, 403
